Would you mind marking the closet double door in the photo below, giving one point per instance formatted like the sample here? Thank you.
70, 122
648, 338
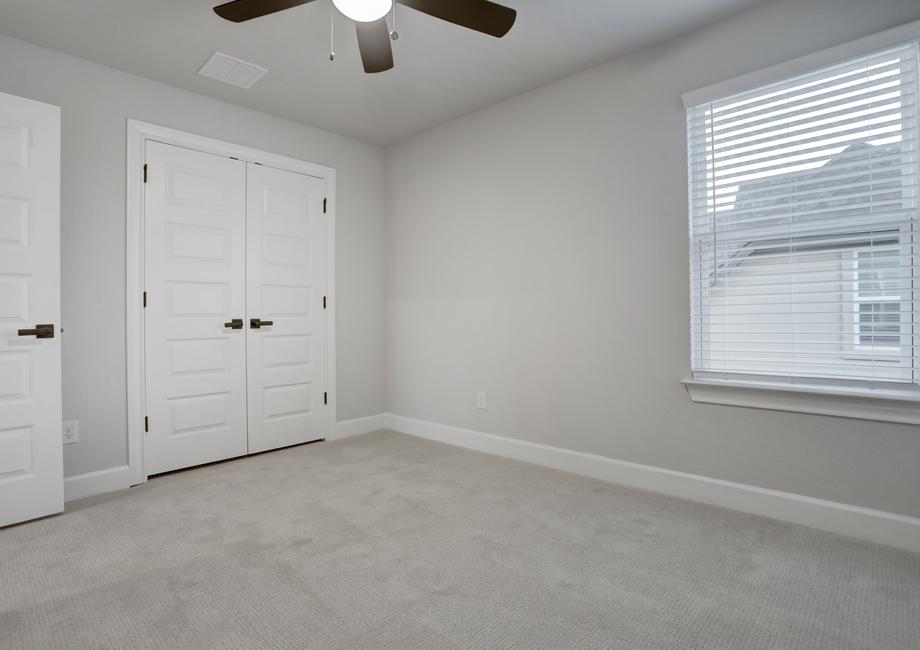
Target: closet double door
236, 276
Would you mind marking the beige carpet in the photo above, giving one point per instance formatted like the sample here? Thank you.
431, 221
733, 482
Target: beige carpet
388, 541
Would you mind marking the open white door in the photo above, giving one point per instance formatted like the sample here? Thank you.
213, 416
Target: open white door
287, 281
31, 455
195, 213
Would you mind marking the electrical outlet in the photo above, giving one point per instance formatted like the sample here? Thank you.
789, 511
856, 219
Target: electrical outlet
481, 400
71, 432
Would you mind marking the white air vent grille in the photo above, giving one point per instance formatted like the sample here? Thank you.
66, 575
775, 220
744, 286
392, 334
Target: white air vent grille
232, 71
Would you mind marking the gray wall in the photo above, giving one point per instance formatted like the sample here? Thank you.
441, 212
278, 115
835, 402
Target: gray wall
538, 249
96, 102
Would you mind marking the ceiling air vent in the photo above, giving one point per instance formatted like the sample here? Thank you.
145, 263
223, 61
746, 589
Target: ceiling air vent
232, 71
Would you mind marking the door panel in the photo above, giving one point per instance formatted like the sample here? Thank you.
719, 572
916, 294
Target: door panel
31, 455
287, 277
195, 280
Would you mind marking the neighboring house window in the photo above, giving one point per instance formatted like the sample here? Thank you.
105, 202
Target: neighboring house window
879, 303
803, 226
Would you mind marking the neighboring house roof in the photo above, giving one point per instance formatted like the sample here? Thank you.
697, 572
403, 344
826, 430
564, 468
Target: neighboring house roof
874, 178
786, 210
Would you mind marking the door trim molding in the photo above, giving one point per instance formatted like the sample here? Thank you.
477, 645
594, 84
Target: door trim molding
137, 135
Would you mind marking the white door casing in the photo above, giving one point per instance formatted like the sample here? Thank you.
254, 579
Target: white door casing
139, 136
287, 285
31, 454
195, 210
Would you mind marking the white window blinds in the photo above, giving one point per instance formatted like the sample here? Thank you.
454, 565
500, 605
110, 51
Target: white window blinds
803, 219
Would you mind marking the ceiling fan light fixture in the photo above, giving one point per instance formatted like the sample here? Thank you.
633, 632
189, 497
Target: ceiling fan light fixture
364, 11
373, 33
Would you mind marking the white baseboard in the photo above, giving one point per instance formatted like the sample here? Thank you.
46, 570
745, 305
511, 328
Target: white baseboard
358, 426
121, 477
867, 524
93, 483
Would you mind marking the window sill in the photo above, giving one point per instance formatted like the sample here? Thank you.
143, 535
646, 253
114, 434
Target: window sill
880, 404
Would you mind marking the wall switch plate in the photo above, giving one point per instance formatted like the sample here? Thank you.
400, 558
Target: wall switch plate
71, 432
481, 400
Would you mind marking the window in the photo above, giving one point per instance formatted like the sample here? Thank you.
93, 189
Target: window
803, 227
878, 299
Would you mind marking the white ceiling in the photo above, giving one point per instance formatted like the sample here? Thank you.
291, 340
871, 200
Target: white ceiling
441, 72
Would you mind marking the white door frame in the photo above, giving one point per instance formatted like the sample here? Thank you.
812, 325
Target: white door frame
138, 134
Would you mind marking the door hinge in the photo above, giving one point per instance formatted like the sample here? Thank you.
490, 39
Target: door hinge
145, 299
324, 302
146, 423
145, 172
325, 398
324, 206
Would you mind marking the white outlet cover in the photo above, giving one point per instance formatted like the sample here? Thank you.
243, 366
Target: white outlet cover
71, 431
481, 400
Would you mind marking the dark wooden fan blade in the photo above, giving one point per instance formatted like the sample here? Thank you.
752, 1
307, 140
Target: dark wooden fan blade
374, 43
480, 15
242, 10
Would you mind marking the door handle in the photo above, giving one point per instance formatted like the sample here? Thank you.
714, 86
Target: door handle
256, 323
40, 332
235, 324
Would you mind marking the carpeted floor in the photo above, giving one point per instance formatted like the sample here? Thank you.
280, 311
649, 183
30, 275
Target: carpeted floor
388, 541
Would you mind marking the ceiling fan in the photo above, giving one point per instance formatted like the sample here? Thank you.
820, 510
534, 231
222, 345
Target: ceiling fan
370, 20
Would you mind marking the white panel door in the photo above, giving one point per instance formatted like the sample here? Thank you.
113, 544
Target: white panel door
195, 273
31, 456
287, 280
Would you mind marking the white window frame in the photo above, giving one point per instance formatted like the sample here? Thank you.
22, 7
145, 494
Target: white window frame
888, 402
859, 350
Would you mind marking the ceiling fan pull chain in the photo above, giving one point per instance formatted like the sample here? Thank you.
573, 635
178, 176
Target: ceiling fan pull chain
332, 35
394, 34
